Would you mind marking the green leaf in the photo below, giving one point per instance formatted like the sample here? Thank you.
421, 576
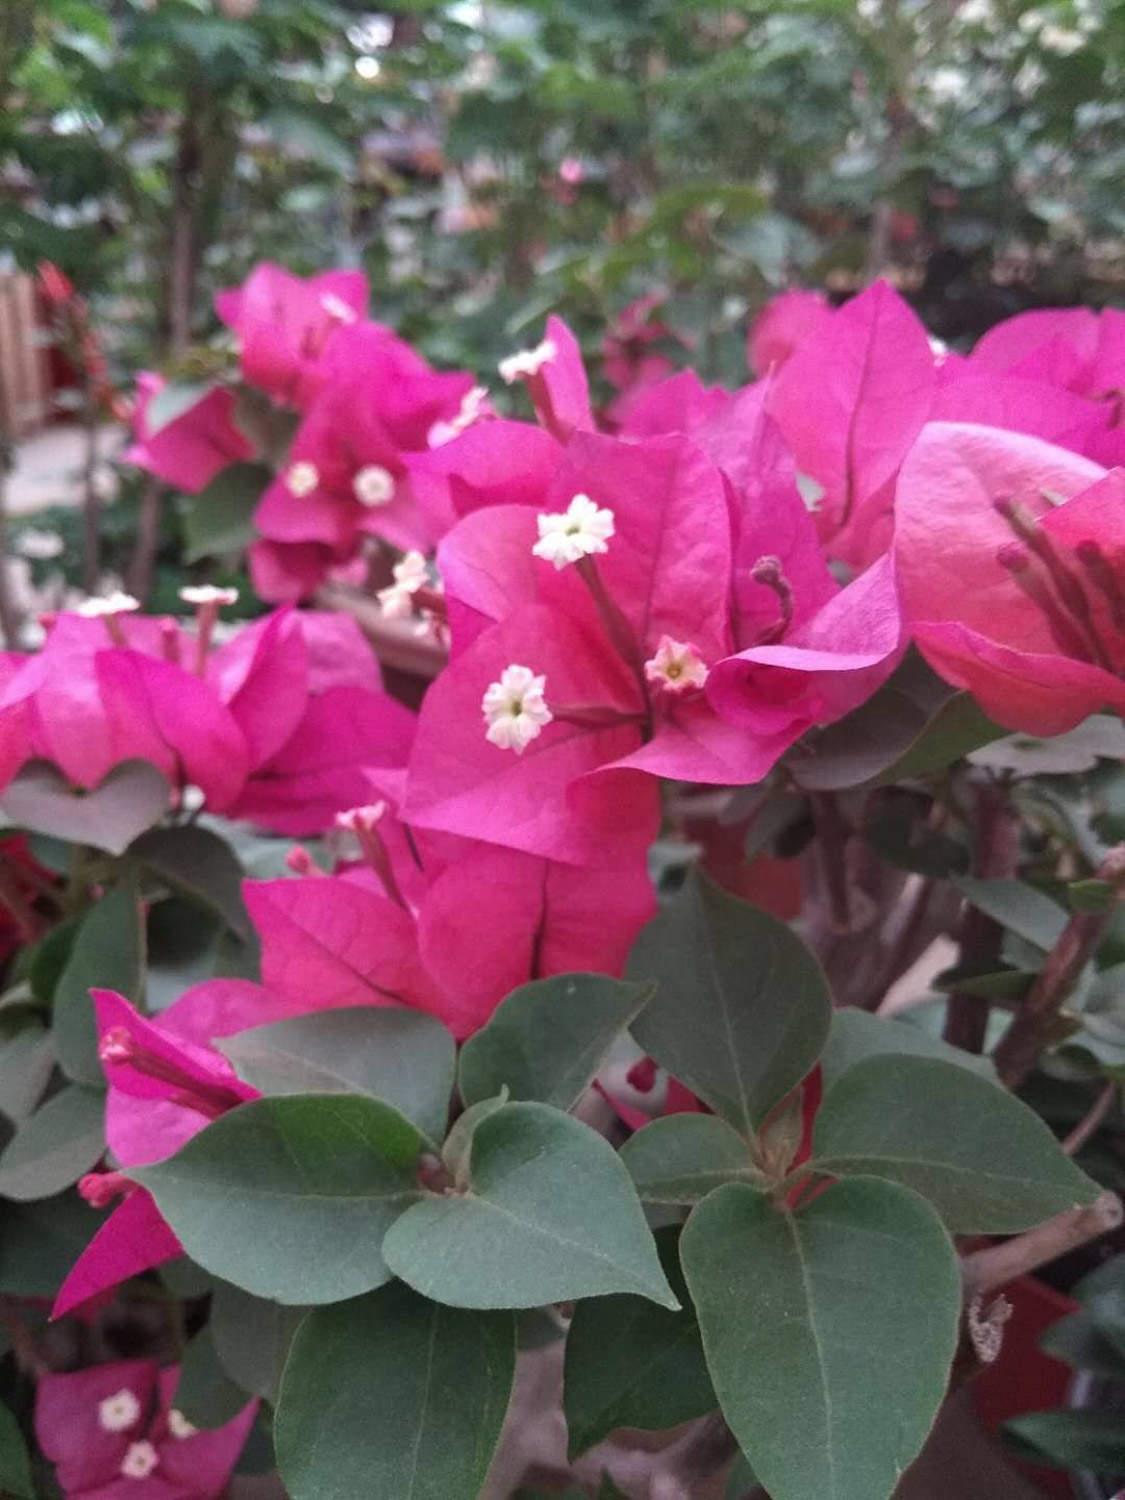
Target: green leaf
132, 798
1080, 1343
205, 1394
456, 1153
547, 1040
305, 132
1062, 755
219, 520
829, 1333
39, 1243
681, 1158
1017, 906
62, 1140
27, 1060
108, 954
912, 727
855, 1034
289, 1198
985, 1160
1092, 1440
393, 1395
252, 1337
632, 1364
15, 1465
550, 1216
742, 1009
198, 864
403, 1057
1102, 1295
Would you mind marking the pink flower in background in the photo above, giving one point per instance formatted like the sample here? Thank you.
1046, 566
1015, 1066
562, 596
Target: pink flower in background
850, 402
195, 444
1009, 553
285, 326
114, 1430
1075, 348
281, 725
783, 325
346, 473
102, 690
286, 572
306, 690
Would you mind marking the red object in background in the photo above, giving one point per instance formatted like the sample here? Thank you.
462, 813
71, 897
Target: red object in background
75, 356
772, 884
22, 878
1024, 1378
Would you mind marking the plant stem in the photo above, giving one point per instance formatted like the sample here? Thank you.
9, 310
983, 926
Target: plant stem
142, 562
985, 1270
1089, 1123
833, 833
1019, 1049
995, 858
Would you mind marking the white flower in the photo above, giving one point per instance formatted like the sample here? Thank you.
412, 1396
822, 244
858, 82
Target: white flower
374, 485
581, 530
179, 1426
301, 479
527, 362
337, 308
140, 1460
116, 603
514, 709
207, 593
677, 666
118, 1412
411, 574
473, 405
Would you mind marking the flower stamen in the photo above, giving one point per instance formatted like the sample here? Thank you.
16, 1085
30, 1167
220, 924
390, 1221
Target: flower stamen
514, 708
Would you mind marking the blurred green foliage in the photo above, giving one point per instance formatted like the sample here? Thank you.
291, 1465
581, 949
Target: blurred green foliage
487, 161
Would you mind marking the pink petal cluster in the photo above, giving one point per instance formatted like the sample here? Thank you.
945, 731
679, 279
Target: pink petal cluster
113, 1431
279, 725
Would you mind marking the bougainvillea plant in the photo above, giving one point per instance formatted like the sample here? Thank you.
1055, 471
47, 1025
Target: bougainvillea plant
689, 996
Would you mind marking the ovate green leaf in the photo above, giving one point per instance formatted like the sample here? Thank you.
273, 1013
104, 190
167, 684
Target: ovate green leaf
829, 1333
393, 1395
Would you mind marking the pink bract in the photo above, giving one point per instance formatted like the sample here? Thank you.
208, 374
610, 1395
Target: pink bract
285, 326
191, 449
81, 1426
960, 560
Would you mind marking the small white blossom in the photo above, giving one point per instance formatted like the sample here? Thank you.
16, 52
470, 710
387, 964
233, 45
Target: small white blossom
677, 666
337, 308
581, 530
116, 603
527, 362
474, 404
140, 1460
514, 709
302, 478
207, 593
411, 574
179, 1426
374, 485
119, 1412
